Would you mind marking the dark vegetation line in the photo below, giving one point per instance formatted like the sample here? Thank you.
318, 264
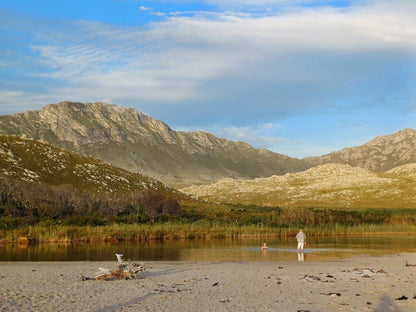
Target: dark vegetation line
23, 204
30, 209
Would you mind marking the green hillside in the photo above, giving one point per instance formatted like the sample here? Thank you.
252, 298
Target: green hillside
37, 162
40, 182
35, 176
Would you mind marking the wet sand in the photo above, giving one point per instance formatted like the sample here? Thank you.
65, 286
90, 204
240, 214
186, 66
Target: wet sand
362, 283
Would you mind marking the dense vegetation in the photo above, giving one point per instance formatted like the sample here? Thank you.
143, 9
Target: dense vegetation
64, 213
23, 203
48, 194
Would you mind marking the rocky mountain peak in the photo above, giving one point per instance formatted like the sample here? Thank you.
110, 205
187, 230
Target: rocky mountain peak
132, 140
380, 154
129, 139
91, 123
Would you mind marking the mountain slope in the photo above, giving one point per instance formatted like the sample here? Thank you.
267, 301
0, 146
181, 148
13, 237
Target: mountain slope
329, 185
380, 154
129, 139
37, 162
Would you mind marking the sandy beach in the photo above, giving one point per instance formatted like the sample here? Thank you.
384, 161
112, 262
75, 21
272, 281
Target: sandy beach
362, 283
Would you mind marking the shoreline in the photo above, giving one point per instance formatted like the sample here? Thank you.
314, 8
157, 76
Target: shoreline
71, 234
358, 283
26, 241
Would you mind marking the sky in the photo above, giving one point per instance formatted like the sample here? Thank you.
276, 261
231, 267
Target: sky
298, 77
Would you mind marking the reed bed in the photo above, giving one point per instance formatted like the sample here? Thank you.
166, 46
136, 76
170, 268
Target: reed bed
197, 230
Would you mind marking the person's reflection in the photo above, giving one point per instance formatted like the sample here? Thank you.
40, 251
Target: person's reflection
301, 257
264, 249
264, 252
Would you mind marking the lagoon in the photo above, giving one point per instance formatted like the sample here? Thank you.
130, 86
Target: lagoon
245, 249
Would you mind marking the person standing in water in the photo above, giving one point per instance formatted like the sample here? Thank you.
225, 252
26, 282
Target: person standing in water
300, 237
264, 247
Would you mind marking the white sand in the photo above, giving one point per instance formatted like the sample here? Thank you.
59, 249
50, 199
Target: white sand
355, 284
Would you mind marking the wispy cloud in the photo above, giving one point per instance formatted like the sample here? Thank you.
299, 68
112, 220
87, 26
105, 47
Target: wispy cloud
273, 137
233, 67
143, 8
193, 50
152, 12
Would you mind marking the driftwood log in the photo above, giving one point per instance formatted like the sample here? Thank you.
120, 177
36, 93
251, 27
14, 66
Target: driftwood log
125, 270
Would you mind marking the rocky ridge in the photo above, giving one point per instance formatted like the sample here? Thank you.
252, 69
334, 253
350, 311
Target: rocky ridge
131, 140
329, 185
380, 154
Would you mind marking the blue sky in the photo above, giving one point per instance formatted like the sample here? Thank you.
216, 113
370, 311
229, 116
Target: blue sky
298, 77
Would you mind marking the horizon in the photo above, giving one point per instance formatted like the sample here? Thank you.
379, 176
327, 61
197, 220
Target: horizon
300, 78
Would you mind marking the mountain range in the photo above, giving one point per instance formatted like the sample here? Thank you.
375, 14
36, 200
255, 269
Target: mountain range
134, 141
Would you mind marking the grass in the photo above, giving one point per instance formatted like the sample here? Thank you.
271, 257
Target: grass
209, 220
197, 230
49, 221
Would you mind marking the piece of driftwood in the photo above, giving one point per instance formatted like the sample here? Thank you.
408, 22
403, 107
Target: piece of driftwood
125, 270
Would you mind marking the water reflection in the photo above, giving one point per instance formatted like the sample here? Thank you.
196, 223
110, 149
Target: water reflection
279, 249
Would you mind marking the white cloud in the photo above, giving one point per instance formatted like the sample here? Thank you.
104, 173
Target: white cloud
261, 135
237, 68
143, 8
158, 13
269, 136
179, 55
264, 135
250, 133
151, 11
12, 101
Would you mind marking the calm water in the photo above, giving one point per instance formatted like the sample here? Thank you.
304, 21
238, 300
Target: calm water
318, 248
